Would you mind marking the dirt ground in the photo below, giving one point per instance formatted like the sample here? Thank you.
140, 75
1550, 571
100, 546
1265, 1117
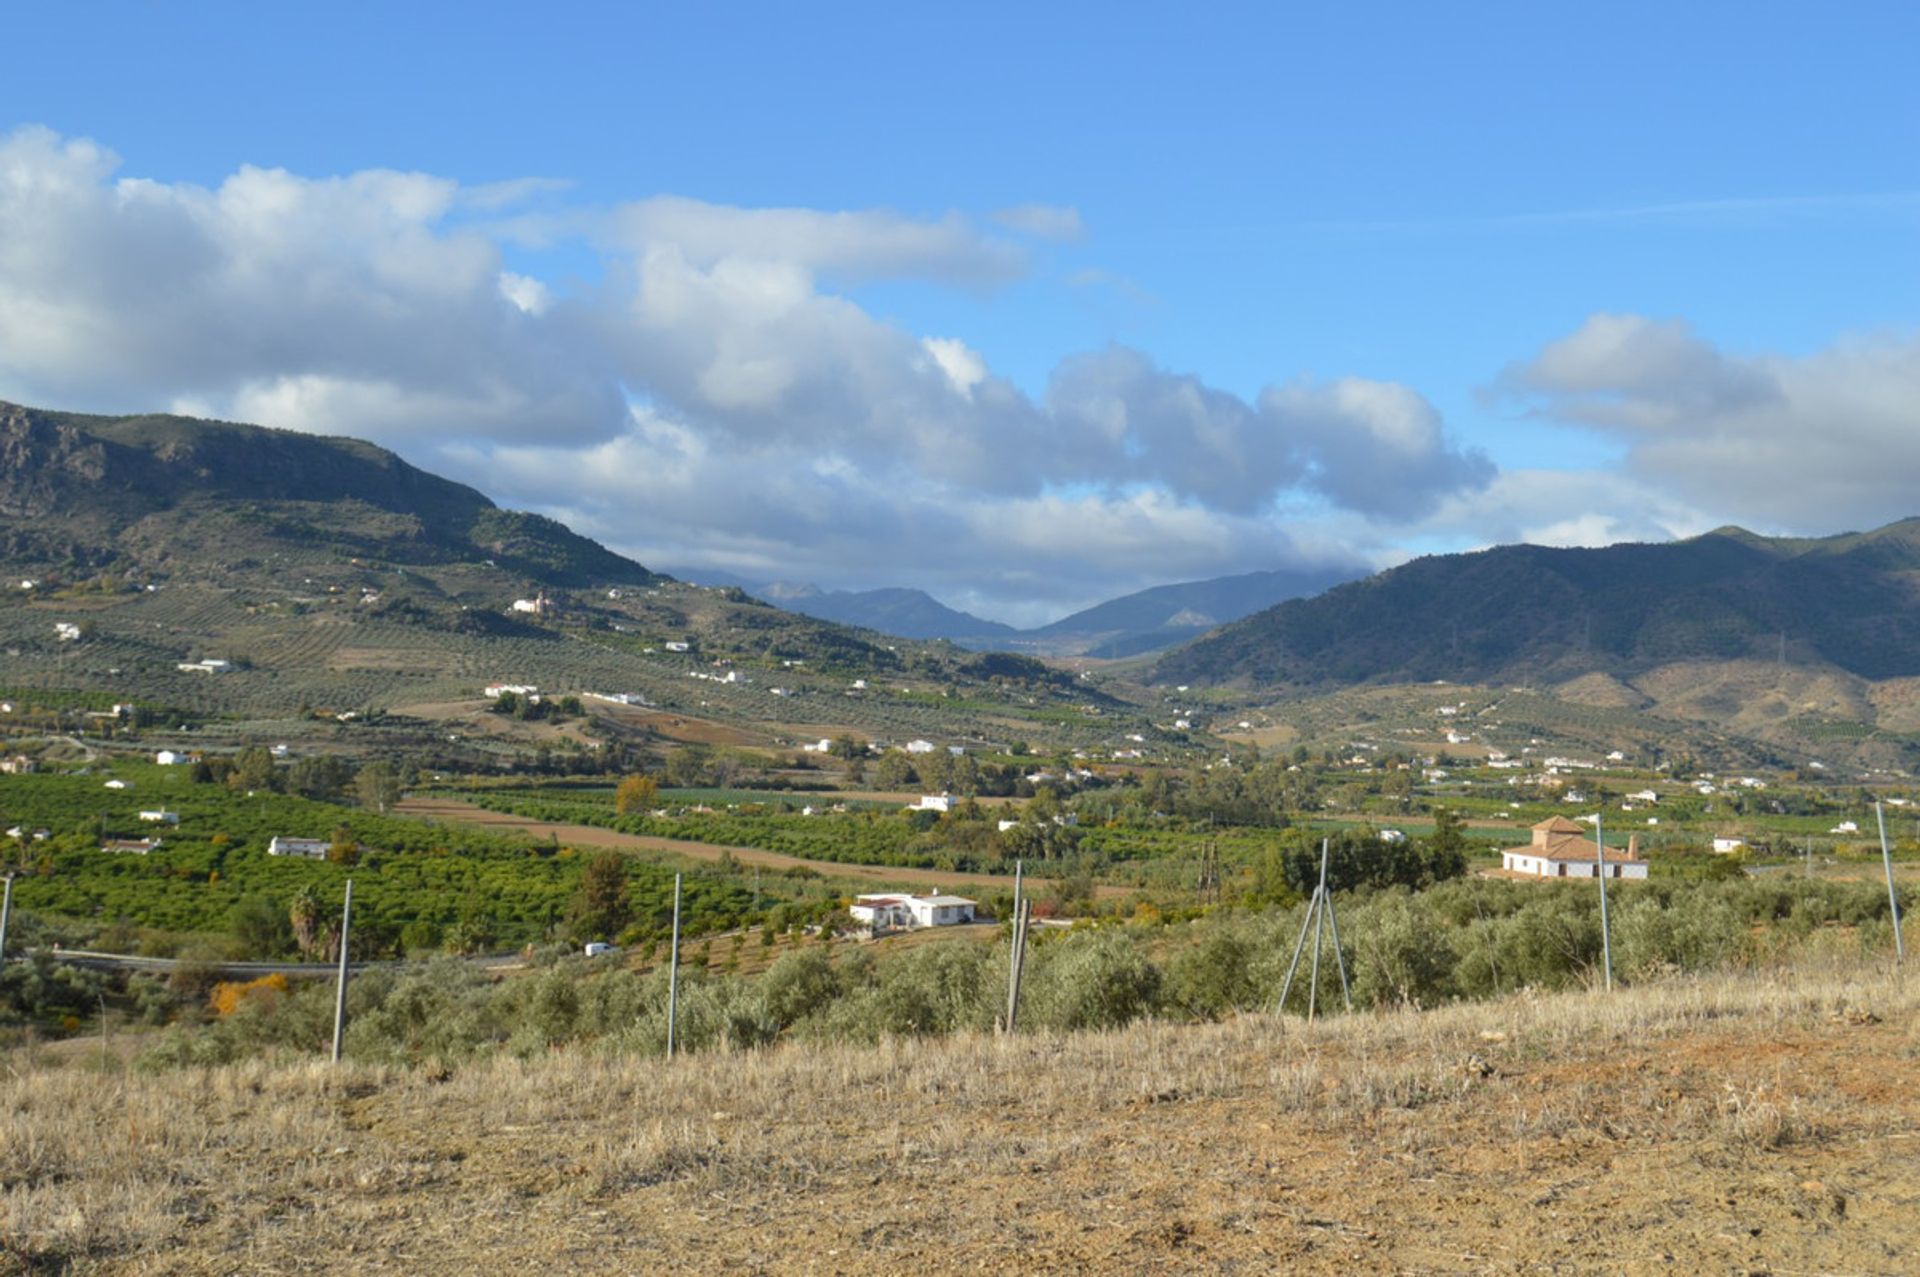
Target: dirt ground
1743, 1125
453, 811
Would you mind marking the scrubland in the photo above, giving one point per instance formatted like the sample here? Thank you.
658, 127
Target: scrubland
1756, 1120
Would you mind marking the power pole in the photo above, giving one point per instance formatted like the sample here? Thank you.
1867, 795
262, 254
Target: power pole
340, 988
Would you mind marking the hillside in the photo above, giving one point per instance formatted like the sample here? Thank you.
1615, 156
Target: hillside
1529, 614
333, 576
1753, 1122
161, 494
913, 614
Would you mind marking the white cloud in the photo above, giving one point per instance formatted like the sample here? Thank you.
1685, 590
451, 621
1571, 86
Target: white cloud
1808, 443
1056, 223
785, 425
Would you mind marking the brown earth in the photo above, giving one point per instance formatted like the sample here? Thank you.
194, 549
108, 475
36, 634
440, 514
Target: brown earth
1751, 1124
453, 811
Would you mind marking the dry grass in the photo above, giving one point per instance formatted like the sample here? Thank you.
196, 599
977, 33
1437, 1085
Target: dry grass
1712, 1125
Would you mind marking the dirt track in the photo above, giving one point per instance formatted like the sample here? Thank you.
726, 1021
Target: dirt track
452, 811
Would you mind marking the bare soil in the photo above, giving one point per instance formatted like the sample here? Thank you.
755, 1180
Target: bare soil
1754, 1124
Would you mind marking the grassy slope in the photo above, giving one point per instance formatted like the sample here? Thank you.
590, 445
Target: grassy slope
1735, 1123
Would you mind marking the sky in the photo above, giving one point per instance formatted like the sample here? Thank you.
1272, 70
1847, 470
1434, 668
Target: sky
1027, 306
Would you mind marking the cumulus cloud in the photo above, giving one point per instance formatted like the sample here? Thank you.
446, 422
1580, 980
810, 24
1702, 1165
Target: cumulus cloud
1809, 443
782, 425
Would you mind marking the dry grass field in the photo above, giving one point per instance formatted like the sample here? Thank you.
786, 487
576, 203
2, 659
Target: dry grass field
1764, 1123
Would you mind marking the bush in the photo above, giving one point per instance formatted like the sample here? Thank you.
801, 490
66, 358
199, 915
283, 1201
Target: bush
1094, 980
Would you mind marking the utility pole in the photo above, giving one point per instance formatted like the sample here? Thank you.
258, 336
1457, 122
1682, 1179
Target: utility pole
340, 988
673, 971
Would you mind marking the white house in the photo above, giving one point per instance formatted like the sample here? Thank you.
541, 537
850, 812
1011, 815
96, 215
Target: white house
129, 846
310, 848
539, 605
66, 631
1644, 796
167, 758
1559, 851
933, 802
908, 912
919, 747
161, 817
678, 645
114, 784
1727, 846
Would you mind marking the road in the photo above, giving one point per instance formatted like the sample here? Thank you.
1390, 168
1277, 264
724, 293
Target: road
453, 811
239, 970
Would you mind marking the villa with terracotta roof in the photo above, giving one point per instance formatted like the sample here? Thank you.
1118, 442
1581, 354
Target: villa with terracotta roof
1559, 850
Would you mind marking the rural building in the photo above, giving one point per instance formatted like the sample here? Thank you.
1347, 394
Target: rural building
129, 846
1727, 846
18, 765
933, 802
167, 758
161, 817
919, 747
1559, 851
909, 912
539, 605
311, 848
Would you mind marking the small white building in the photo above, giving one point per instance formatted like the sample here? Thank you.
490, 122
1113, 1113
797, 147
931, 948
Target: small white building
1559, 851
161, 817
885, 912
167, 758
66, 631
114, 784
919, 747
129, 846
678, 645
1727, 846
309, 848
933, 802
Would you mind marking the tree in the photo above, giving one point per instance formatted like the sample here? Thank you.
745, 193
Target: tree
636, 794
319, 776
261, 928
253, 769
894, 771
601, 905
304, 914
377, 786
848, 747
344, 849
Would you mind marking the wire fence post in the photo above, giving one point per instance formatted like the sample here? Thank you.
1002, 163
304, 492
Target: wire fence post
1893, 897
673, 971
340, 987
6, 916
1600, 868
1015, 938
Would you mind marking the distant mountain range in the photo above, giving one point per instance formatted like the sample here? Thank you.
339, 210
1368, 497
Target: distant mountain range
1145, 621
1529, 614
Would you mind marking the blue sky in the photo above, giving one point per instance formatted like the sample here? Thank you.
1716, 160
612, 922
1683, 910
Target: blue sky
1516, 270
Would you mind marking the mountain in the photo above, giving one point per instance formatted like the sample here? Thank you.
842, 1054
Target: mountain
1524, 613
1145, 621
908, 613
84, 494
1168, 614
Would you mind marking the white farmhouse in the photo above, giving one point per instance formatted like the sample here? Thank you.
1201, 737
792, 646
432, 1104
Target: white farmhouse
1727, 846
167, 758
1559, 851
919, 747
933, 802
309, 848
161, 817
910, 912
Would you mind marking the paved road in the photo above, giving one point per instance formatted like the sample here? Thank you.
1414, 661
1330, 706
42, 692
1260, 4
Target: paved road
453, 811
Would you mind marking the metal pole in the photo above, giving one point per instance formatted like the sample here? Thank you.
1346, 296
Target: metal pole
6, 915
673, 971
340, 990
1319, 926
1014, 938
1299, 947
1019, 965
1600, 867
1893, 897
1333, 921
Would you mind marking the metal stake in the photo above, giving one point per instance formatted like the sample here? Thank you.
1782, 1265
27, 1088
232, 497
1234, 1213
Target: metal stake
1893, 897
673, 971
6, 915
1600, 867
340, 990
